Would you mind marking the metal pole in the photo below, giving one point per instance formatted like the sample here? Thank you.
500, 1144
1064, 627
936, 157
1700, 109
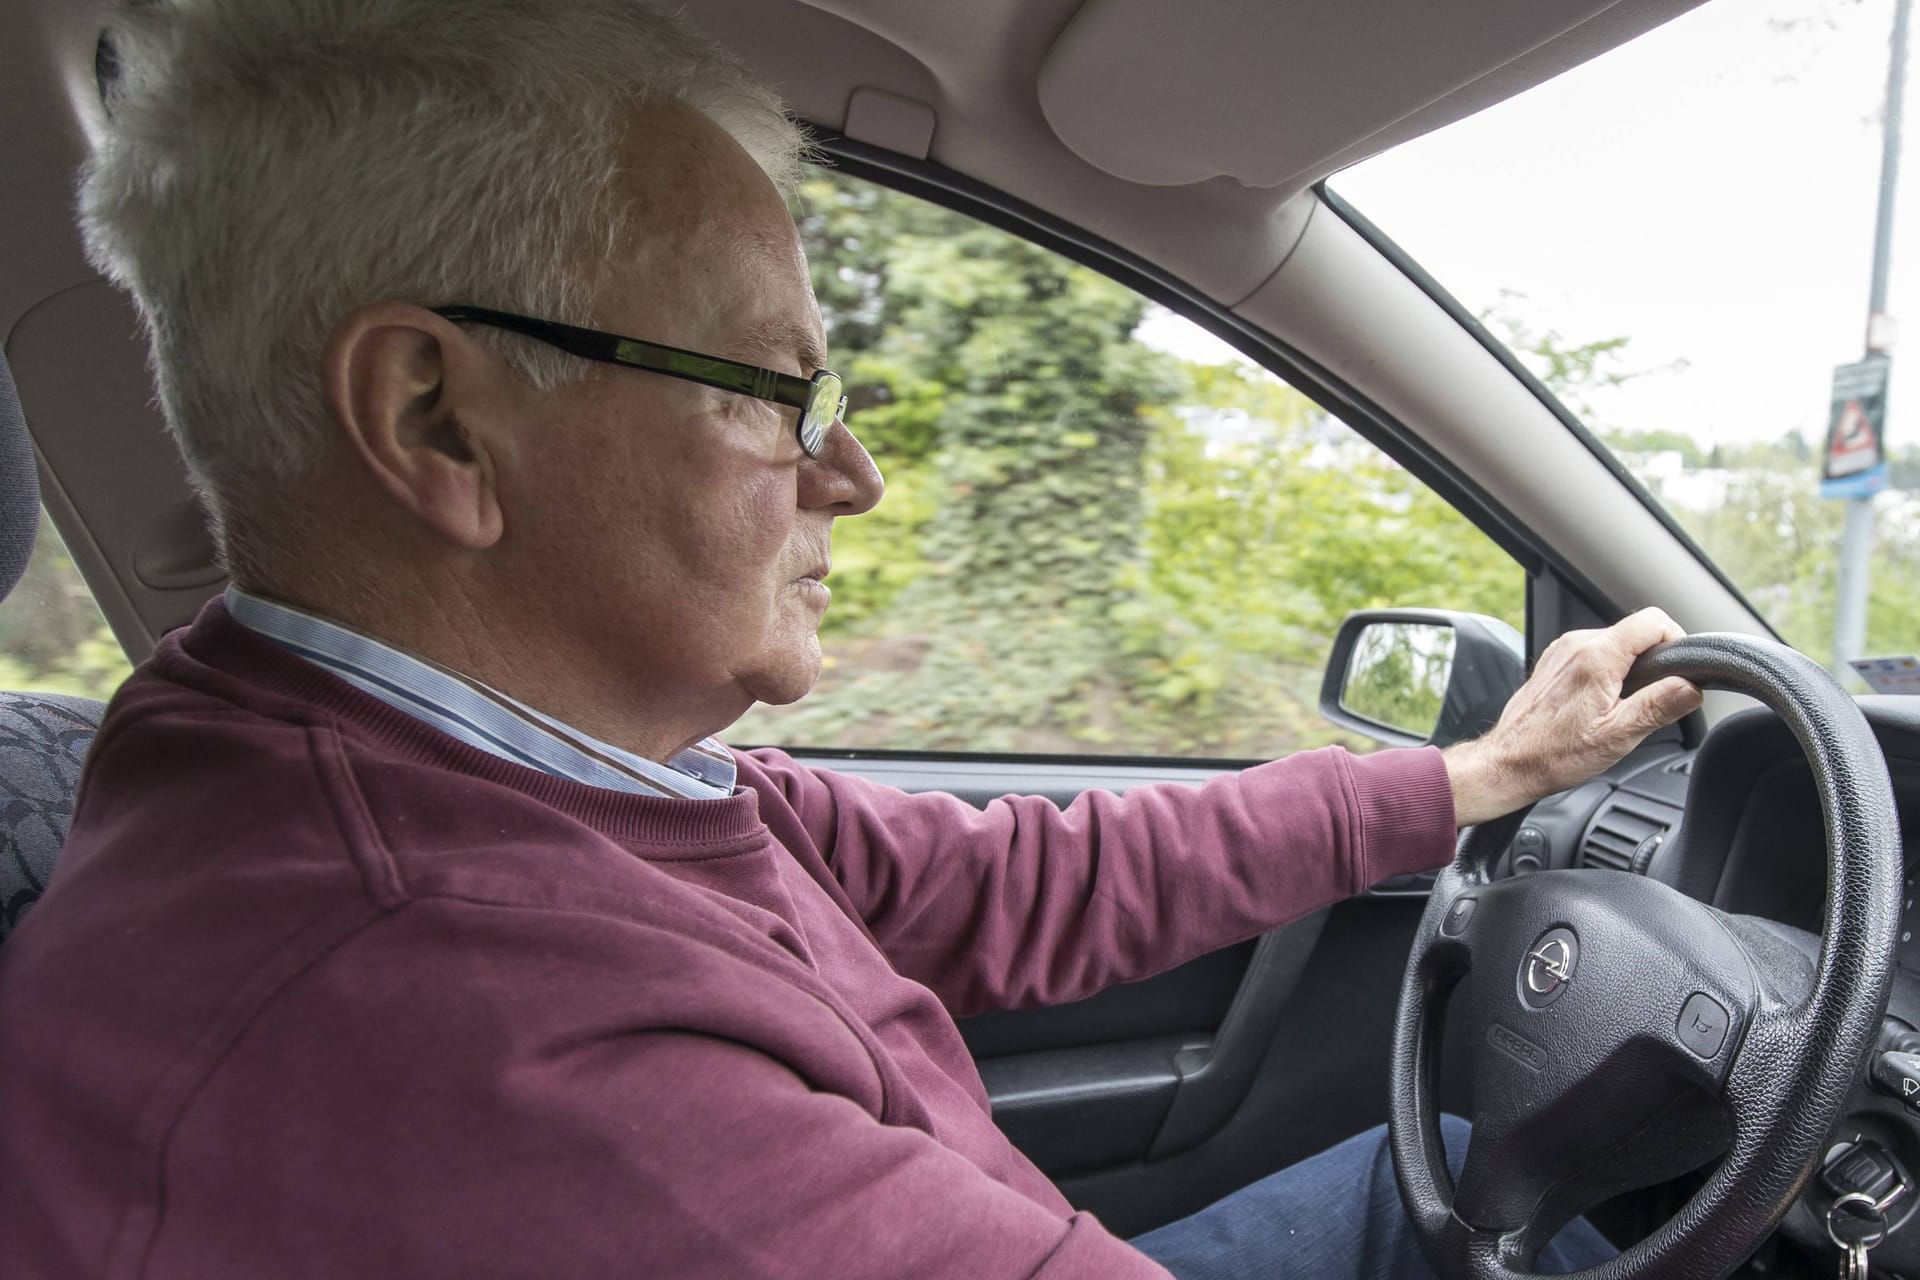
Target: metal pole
1856, 541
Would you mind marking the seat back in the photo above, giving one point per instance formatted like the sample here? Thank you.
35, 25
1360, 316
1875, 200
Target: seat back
43, 736
43, 740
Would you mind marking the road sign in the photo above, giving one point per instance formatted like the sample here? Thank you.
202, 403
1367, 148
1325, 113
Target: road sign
1855, 461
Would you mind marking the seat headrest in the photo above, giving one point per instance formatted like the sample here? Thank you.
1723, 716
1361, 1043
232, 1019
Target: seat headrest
19, 485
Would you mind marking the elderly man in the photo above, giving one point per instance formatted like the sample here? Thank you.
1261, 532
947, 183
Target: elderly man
413, 923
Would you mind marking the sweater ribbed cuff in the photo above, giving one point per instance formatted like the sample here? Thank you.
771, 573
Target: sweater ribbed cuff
1406, 811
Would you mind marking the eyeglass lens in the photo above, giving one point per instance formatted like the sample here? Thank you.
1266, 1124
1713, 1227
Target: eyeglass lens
822, 408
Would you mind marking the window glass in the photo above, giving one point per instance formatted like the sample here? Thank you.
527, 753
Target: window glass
52, 637
1677, 237
1103, 532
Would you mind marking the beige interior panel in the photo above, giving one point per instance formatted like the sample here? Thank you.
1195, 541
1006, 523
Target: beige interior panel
1278, 93
41, 146
889, 121
1161, 93
113, 479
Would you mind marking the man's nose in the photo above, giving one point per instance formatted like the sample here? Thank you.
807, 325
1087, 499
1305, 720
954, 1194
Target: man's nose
843, 478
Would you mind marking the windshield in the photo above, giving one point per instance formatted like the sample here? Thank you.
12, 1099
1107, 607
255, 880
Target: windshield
1677, 237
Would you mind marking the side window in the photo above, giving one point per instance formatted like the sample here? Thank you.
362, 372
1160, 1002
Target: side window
1104, 532
52, 637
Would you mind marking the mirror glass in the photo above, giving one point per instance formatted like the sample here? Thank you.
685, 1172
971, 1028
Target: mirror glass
1398, 674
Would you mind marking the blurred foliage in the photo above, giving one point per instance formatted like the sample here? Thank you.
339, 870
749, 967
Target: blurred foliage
1088, 544
52, 637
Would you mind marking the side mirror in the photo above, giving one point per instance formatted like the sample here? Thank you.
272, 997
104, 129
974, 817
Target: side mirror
1411, 676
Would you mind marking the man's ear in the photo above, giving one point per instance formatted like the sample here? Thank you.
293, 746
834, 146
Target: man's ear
415, 399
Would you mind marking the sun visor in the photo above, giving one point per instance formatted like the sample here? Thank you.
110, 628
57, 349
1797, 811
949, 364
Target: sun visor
1283, 92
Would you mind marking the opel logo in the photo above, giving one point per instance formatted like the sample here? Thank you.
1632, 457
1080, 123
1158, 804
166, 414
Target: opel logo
1548, 967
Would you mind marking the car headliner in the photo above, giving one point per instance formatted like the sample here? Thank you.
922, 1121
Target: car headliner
1185, 138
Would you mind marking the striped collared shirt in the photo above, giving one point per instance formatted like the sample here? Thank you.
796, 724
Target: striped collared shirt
477, 715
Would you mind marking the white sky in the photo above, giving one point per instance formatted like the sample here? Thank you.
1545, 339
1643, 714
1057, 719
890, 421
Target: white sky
1707, 191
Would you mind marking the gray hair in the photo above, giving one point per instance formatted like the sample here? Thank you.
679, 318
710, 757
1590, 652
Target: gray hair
263, 167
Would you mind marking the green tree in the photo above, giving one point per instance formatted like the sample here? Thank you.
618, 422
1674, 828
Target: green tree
1256, 552
998, 381
52, 637
852, 232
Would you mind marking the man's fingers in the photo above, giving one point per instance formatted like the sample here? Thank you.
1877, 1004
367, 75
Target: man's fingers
1659, 704
1638, 632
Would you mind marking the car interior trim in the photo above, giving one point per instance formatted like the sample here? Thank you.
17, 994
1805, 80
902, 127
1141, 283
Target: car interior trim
1116, 82
888, 120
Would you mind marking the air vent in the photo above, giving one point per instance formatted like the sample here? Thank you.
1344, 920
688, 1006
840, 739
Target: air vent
1626, 833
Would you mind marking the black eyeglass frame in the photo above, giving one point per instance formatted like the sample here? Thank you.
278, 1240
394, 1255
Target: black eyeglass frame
820, 399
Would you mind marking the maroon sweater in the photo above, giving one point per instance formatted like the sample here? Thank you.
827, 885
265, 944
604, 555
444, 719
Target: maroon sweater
319, 991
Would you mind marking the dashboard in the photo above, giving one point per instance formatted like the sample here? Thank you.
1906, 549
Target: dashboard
1736, 823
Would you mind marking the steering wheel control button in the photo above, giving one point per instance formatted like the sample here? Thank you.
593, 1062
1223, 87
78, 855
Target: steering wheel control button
1529, 850
1548, 967
1455, 922
1898, 1074
1702, 1026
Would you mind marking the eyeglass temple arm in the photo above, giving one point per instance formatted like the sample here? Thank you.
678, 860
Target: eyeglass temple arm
609, 348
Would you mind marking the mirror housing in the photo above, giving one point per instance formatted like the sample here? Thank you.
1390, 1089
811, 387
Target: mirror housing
1468, 666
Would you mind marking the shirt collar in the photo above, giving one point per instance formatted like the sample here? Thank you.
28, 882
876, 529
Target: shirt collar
480, 716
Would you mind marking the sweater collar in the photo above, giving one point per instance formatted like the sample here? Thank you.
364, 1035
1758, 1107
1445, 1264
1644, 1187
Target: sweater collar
219, 657
475, 713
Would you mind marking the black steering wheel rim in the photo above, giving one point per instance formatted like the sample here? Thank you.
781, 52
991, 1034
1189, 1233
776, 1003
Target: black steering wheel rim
1787, 1064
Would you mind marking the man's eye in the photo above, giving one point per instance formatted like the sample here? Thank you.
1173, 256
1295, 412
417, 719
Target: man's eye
765, 415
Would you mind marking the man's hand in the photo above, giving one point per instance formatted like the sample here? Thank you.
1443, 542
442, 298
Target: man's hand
1568, 721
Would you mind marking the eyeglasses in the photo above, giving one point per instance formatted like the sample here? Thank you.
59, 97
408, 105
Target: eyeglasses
820, 399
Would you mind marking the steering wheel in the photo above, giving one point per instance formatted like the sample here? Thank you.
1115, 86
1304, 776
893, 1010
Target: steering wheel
1623, 1033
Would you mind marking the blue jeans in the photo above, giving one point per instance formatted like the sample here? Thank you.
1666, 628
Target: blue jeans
1336, 1216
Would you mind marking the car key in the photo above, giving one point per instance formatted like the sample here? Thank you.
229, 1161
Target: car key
1855, 1223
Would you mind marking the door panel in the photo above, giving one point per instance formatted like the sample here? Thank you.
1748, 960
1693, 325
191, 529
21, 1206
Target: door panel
1192, 999
1322, 1078
1145, 1070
